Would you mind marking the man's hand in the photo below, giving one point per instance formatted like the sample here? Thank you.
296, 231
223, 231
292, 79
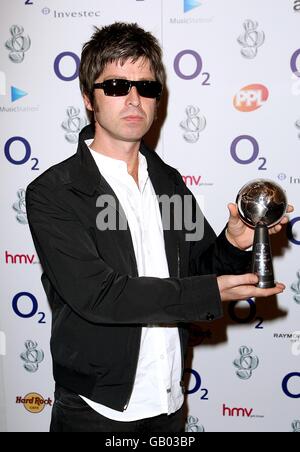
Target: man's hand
240, 235
242, 287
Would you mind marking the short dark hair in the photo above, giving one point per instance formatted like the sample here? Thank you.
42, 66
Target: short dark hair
118, 42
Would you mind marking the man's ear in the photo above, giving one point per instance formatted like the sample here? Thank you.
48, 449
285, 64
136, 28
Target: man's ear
87, 103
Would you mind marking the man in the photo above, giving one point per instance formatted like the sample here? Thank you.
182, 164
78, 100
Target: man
122, 297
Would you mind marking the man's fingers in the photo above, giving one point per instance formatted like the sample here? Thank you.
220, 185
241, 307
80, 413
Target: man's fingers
264, 293
242, 280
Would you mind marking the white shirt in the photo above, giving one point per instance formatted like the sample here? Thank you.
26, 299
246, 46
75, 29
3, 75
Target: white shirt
157, 388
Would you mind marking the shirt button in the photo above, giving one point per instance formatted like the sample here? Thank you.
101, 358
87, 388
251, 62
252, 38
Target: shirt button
162, 356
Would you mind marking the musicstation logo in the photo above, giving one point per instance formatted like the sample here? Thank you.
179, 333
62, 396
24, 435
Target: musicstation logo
188, 8
15, 95
70, 14
34, 403
251, 98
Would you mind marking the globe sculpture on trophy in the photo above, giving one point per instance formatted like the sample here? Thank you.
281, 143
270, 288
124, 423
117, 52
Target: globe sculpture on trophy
261, 205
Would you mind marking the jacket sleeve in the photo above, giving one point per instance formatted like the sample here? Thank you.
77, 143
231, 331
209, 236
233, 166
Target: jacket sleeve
94, 290
216, 255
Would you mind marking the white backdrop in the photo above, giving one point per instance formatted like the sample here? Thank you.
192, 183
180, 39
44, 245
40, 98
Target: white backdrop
233, 115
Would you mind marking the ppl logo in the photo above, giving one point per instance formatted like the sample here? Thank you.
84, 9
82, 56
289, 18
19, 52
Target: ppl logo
191, 4
236, 412
34, 403
251, 98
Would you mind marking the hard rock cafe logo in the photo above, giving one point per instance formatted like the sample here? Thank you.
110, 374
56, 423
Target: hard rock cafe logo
193, 125
246, 363
17, 44
34, 403
192, 425
73, 124
251, 39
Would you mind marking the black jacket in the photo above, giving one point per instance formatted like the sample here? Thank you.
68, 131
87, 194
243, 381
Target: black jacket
99, 303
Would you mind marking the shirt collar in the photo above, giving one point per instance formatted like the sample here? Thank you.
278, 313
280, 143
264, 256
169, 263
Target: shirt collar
114, 167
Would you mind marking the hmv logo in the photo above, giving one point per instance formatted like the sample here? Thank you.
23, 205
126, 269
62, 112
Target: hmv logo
236, 412
16, 259
193, 181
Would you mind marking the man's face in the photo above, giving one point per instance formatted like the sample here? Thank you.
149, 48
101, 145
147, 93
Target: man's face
125, 118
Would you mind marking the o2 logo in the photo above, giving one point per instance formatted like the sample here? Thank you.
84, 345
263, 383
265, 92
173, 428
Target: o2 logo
197, 71
25, 305
63, 59
255, 152
285, 385
290, 231
251, 316
198, 384
294, 63
27, 153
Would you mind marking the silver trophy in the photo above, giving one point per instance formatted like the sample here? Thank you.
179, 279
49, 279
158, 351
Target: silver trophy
262, 204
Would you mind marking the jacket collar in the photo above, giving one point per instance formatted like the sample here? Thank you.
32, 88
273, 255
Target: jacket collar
88, 179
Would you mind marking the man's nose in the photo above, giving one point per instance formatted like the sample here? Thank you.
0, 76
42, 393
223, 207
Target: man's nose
133, 98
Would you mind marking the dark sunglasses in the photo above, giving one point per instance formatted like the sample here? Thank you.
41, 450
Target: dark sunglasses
121, 87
